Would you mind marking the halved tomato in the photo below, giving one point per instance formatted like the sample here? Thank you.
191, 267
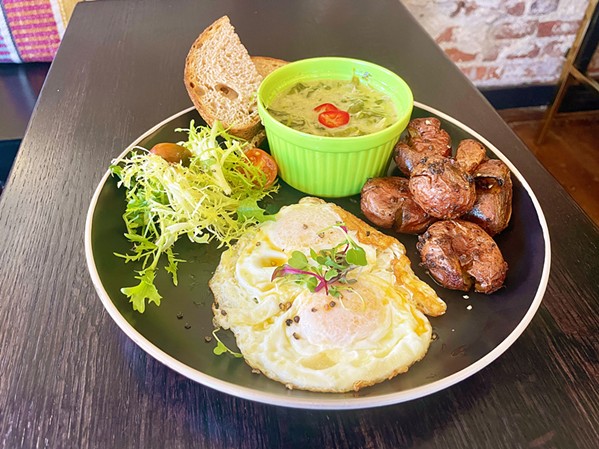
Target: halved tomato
334, 119
171, 152
264, 162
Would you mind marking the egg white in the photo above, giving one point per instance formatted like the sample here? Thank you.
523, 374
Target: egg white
313, 341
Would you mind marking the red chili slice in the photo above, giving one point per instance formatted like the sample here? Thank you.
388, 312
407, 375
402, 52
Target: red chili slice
326, 107
334, 119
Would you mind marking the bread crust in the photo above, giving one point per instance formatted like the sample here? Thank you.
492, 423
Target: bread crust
265, 64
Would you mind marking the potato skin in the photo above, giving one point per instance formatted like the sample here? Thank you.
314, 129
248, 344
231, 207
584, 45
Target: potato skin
455, 204
388, 203
459, 253
441, 188
424, 138
492, 209
470, 154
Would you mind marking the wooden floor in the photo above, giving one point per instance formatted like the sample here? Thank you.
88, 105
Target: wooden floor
570, 151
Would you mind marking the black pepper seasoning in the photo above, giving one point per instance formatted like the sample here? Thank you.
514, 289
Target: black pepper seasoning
296, 318
285, 306
288, 322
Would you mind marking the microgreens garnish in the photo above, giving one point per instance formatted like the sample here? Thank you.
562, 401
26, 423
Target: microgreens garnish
222, 348
326, 267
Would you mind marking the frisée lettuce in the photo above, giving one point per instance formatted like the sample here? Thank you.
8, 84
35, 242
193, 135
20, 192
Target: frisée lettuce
213, 197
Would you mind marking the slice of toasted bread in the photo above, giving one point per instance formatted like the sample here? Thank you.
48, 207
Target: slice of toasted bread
222, 80
265, 64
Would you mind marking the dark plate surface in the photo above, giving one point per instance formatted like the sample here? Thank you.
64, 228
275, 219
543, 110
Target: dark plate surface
475, 330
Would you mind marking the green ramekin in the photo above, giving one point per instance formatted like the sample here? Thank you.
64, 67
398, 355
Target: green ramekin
332, 166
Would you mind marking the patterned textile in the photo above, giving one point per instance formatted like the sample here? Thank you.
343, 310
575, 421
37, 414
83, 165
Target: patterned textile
31, 30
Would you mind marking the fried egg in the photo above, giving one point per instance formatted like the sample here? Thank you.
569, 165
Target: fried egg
373, 330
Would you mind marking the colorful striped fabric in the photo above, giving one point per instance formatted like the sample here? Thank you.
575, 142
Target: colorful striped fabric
31, 30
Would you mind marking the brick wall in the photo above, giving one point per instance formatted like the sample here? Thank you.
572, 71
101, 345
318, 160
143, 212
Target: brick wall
504, 43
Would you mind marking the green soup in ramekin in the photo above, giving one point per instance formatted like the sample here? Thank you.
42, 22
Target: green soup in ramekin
333, 166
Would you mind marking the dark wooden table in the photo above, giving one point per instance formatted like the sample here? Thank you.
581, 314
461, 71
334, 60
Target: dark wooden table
69, 378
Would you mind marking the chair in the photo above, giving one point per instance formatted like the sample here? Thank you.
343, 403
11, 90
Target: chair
577, 62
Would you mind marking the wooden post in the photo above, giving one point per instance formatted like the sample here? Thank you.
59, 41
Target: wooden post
570, 72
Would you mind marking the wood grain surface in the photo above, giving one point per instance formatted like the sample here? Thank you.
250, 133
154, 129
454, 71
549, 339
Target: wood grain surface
69, 378
568, 152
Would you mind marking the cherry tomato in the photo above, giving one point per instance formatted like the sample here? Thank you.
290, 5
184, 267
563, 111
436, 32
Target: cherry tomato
333, 119
326, 107
264, 162
171, 152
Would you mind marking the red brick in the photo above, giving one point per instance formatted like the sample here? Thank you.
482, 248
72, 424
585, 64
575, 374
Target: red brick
482, 73
467, 71
531, 53
516, 9
493, 72
514, 30
554, 49
467, 7
557, 28
446, 35
457, 55
471, 7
